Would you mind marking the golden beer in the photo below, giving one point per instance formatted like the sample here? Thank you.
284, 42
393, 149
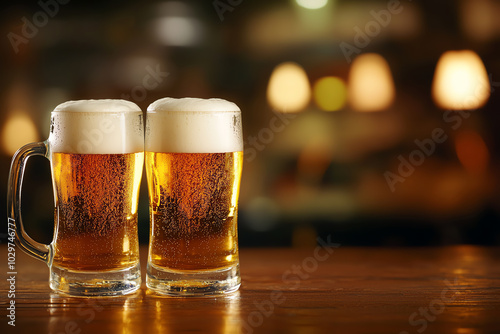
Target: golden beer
193, 207
96, 154
194, 157
96, 211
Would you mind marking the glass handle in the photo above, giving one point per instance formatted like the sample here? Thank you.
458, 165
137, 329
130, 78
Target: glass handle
23, 240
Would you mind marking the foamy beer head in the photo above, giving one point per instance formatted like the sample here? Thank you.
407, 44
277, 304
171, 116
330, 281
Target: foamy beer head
97, 127
192, 125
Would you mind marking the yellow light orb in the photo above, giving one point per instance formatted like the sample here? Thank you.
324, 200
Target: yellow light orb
330, 93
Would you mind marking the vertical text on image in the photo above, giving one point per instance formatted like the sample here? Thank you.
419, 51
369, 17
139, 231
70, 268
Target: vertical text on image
11, 272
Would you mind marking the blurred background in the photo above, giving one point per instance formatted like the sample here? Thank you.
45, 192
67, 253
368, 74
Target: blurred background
352, 130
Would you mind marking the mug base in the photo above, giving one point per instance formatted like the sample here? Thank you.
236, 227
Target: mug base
201, 283
96, 284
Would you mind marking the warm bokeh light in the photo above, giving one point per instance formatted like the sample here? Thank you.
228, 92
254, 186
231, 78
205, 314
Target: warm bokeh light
460, 81
17, 131
312, 4
288, 89
314, 159
370, 84
479, 19
177, 24
330, 93
472, 152
178, 31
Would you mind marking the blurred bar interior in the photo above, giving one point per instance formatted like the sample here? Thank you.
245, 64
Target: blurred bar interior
374, 122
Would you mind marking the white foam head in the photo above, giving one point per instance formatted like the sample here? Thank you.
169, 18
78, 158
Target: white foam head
97, 127
98, 106
192, 125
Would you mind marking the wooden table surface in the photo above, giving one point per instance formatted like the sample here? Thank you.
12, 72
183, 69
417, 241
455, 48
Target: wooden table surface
317, 290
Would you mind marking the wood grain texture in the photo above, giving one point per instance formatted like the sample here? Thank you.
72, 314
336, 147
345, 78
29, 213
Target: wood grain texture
342, 290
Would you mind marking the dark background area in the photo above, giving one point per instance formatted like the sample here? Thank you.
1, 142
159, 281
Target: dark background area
322, 173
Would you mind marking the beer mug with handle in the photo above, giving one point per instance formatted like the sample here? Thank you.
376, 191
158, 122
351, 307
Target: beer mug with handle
194, 156
96, 154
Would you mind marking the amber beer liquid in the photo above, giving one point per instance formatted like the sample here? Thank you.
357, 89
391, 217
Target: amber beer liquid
96, 154
194, 156
194, 209
96, 211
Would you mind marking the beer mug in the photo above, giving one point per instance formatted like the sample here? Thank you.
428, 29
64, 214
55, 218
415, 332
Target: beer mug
96, 154
194, 156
